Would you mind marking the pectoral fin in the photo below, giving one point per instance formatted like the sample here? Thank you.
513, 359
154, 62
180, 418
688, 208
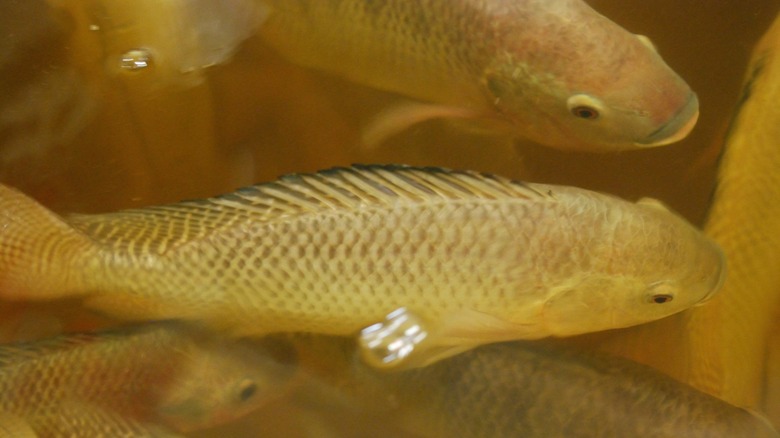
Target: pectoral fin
401, 117
404, 340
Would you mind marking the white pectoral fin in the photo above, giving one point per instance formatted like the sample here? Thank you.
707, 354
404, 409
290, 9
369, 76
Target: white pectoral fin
472, 327
400, 117
405, 340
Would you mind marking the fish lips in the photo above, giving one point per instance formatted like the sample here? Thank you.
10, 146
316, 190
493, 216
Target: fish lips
718, 285
677, 128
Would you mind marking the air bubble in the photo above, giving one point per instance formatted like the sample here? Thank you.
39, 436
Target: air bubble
136, 59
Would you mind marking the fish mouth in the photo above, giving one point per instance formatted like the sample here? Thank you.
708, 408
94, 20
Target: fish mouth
677, 128
718, 285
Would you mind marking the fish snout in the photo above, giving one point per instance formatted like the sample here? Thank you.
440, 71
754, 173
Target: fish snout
677, 128
720, 278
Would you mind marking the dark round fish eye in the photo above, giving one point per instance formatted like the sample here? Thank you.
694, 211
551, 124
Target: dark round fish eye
248, 389
585, 112
661, 298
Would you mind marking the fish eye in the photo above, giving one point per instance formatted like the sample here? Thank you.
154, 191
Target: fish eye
585, 112
248, 389
584, 106
661, 298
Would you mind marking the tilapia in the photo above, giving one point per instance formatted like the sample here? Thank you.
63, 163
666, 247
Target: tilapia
478, 257
11, 426
526, 389
553, 71
163, 376
722, 348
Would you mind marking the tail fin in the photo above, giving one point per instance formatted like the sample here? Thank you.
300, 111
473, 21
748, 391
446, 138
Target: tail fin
38, 250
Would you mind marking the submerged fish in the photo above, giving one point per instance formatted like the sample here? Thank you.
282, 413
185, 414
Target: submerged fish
12, 426
527, 389
479, 258
724, 346
554, 71
163, 375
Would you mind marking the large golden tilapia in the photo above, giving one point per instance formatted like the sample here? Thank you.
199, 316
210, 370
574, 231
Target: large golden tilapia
479, 258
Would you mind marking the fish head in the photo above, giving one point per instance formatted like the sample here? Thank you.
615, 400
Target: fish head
225, 379
653, 264
591, 86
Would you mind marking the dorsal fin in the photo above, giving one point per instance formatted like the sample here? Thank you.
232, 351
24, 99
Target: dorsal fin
158, 229
20, 351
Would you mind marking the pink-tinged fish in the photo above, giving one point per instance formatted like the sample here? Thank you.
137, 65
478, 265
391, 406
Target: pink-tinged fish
163, 376
554, 71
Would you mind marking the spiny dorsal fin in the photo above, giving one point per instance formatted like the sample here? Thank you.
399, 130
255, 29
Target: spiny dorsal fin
15, 353
11, 354
157, 229
375, 185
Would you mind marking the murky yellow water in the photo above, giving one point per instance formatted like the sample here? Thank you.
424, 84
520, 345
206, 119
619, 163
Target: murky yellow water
80, 133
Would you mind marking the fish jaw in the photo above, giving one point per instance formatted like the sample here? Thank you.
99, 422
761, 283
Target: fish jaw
717, 286
675, 129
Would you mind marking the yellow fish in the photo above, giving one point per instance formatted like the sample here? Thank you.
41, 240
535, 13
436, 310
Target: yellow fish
163, 376
553, 71
722, 348
480, 258
11, 426
526, 389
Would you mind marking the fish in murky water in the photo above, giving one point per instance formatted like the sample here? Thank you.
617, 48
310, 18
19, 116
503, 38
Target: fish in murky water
480, 258
12, 426
554, 71
525, 389
723, 347
160, 376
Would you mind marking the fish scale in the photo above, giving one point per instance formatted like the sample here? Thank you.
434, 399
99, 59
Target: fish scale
186, 379
519, 68
524, 389
479, 257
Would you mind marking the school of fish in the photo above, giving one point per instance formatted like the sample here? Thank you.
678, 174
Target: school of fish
473, 258
165, 377
553, 71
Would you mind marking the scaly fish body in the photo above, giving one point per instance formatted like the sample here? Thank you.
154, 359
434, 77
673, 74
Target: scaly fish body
554, 71
479, 258
724, 347
529, 389
162, 375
